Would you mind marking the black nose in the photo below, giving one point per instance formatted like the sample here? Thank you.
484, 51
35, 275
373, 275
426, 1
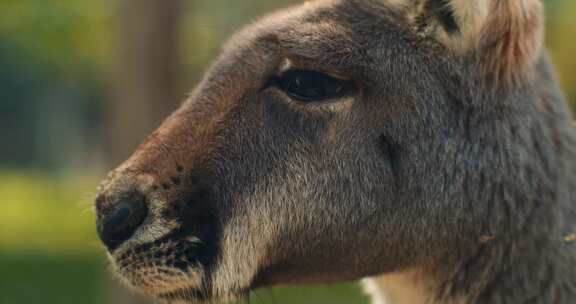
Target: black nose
120, 221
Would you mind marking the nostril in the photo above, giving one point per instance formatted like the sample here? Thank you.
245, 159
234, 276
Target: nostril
122, 220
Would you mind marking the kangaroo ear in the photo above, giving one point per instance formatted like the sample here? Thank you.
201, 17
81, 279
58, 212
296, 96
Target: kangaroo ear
504, 36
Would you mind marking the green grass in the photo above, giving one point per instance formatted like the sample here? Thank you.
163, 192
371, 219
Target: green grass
49, 253
47, 214
29, 279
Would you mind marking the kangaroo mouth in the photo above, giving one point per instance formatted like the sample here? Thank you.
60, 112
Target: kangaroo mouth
174, 267
196, 295
191, 294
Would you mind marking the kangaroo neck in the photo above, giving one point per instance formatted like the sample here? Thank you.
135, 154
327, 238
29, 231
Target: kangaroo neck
522, 272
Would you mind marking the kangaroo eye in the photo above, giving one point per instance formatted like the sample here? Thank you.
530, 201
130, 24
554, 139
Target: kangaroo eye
311, 86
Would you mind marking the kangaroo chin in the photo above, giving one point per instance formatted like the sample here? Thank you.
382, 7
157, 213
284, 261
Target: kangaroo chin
422, 146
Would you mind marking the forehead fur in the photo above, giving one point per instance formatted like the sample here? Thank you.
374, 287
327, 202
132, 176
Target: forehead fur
502, 39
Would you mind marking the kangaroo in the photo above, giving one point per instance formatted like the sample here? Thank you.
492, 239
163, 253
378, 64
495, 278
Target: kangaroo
420, 145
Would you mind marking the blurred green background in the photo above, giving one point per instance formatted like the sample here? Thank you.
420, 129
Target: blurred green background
81, 83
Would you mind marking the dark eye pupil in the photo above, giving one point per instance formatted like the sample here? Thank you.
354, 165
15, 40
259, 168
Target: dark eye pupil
311, 86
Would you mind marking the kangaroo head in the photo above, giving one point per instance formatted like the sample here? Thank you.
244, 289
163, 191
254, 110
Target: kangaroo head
338, 140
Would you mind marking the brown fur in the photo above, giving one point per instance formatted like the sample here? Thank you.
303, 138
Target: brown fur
448, 169
512, 41
505, 36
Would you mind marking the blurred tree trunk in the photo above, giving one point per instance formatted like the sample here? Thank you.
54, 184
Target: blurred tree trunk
147, 81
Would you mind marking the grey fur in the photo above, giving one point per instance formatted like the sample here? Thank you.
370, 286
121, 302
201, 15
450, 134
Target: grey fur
428, 166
